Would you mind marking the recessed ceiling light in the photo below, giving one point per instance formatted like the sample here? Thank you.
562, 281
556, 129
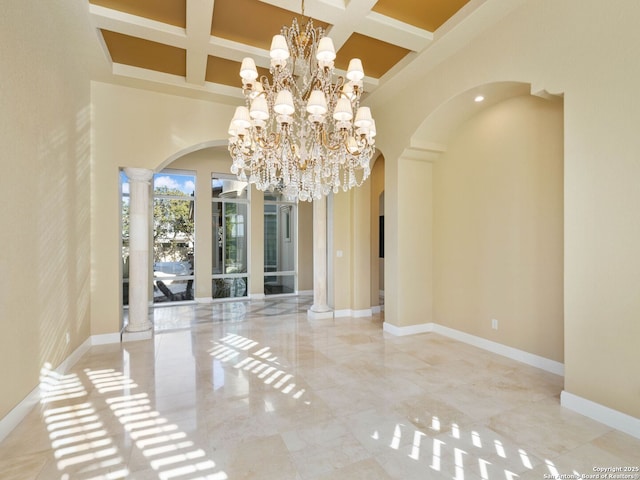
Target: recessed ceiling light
478, 99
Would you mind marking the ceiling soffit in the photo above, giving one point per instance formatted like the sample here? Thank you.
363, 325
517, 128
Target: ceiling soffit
137, 52
231, 22
226, 72
377, 56
172, 12
426, 14
201, 43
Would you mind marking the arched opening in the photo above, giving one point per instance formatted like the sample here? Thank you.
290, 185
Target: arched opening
377, 234
498, 226
222, 218
481, 245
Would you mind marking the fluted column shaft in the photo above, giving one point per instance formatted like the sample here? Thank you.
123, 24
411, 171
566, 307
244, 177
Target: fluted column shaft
320, 308
139, 226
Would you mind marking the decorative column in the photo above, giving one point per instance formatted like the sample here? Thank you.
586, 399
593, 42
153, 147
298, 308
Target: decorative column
320, 309
139, 190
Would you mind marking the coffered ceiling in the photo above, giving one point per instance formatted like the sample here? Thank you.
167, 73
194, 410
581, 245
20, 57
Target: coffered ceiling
199, 44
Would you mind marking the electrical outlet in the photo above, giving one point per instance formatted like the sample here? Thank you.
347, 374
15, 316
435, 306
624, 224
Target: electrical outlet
494, 323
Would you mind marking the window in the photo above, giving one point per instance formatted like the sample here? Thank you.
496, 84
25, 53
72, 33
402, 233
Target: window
173, 236
230, 214
279, 245
124, 231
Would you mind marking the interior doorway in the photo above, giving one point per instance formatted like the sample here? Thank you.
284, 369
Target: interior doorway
377, 234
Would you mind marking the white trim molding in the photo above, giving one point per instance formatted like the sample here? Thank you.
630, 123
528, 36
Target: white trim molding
137, 336
311, 315
12, 419
204, 300
408, 330
76, 355
595, 411
106, 339
365, 312
504, 350
494, 347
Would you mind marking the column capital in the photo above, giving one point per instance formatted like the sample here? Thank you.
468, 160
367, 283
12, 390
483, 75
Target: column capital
139, 174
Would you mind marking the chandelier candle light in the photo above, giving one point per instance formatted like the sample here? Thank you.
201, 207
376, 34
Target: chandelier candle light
297, 133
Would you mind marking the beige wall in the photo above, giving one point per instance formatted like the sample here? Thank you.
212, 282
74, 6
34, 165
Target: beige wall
360, 270
413, 287
349, 254
377, 263
498, 223
554, 46
45, 138
305, 246
339, 282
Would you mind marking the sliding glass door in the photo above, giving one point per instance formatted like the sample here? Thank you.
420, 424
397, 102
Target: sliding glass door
230, 215
279, 244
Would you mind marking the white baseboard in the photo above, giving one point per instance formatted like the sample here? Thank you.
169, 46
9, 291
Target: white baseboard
408, 330
311, 315
494, 347
137, 336
74, 356
305, 292
376, 309
365, 312
12, 419
204, 300
610, 417
105, 339
257, 296
504, 350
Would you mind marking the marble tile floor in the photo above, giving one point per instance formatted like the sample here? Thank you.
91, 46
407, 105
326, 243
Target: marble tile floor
267, 394
171, 317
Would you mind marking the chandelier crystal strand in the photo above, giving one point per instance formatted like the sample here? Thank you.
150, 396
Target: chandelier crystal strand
302, 132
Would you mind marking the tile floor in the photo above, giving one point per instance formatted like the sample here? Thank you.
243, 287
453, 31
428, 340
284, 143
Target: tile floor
254, 390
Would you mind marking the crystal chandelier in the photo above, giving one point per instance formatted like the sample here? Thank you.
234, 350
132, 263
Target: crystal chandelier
297, 133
